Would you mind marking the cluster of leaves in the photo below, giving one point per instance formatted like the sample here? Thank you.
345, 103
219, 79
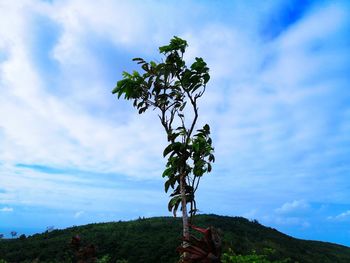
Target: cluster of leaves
199, 150
169, 87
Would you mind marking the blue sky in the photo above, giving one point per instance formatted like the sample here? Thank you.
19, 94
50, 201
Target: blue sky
278, 103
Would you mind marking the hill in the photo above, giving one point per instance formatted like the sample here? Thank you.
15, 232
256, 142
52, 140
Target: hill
155, 240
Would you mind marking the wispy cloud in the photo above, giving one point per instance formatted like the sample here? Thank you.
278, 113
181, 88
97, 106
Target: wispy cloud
296, 205
286, 221
6, 209
78, 214
342, 216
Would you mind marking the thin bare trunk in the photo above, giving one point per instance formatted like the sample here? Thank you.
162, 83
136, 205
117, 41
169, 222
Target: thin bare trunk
186, 232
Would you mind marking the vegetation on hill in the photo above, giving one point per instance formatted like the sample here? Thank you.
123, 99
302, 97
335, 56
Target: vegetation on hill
155, 240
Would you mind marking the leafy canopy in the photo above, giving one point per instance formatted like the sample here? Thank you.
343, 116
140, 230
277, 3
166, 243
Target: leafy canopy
170, 87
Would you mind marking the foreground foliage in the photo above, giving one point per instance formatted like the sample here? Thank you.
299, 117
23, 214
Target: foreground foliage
156, 239
231, 257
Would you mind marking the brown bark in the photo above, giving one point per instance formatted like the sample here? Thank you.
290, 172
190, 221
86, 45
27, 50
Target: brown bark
186, 232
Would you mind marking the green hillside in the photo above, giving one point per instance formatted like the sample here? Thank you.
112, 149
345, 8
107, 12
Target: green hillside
155, 240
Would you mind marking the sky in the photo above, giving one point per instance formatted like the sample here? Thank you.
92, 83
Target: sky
278, 104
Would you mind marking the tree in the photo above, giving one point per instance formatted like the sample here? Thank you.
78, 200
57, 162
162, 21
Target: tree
173, 89
13, 233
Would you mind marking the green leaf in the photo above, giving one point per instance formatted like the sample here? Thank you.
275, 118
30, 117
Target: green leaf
153, 64
206, 78
211, 158
209, 141
199, 65
176, 206
167, 150
166, 185
195, 146
145, 67
126, 75
121, 87
172, 147
142, 110
176, 44
174, 203
167, 172
138, 59
115, 90
209, 167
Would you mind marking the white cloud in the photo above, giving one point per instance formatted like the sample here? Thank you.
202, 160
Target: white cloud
70, 192
285, 221
275, 123
37, 127
54, 131
342, 216
78, 214
296, 205
250, 214
6, 209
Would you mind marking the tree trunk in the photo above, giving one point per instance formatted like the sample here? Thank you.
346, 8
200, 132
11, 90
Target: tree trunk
186, 232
